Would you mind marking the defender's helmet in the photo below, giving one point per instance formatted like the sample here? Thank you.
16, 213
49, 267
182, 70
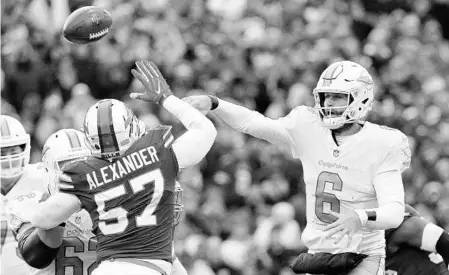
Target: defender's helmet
111, 127
12, 133
348, 78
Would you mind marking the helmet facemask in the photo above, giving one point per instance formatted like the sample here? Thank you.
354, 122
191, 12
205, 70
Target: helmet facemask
12, 165
333, 117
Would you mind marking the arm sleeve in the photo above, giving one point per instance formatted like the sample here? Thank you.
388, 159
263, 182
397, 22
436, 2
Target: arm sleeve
253, 123
54, 211
388, 185
390, 195
34, 251
195, 143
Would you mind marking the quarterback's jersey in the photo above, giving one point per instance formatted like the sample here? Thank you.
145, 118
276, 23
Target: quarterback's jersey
33, 178
340, 178
413, 261
130, 199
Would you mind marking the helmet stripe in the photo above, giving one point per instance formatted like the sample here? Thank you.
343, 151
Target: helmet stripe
73, 139
331, 73
106, 133
4, 128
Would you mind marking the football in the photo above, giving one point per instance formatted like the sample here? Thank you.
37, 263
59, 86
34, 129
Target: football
87, 24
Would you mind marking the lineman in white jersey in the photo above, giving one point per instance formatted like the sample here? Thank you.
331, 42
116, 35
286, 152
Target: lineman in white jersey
352, 168
68, 249
17, 177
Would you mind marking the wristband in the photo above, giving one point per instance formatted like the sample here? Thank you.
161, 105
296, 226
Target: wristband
372, 215
214, 101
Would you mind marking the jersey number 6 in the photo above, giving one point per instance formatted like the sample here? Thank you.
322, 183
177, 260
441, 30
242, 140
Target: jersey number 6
146, 218
327, 198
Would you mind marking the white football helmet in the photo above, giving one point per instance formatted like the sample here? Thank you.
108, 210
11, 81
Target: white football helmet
111, 127
61, 147
348, 78
12, 133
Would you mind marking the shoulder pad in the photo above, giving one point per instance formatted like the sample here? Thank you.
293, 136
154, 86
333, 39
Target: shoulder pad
397, 144
77, 169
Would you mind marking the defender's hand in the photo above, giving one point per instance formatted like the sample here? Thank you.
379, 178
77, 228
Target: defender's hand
202, 103
412, 211
156, 88
346, 224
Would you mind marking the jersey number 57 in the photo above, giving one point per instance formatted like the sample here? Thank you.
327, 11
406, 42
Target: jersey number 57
146, 218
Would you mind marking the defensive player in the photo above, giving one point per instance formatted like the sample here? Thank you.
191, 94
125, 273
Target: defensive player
68, 249
128, 185
412, 247
17, 177
352, 168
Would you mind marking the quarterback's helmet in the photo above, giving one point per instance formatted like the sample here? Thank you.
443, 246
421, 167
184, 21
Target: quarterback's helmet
111, 127
61, 147
12, 134
179, 206
348, 78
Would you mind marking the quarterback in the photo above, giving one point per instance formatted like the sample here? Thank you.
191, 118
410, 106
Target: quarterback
352, 168
127, 185
17, 177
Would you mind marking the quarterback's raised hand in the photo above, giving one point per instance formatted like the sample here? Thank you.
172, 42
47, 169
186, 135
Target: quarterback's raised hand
156, 88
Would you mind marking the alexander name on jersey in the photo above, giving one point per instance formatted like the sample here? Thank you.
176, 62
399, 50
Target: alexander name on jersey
122, 167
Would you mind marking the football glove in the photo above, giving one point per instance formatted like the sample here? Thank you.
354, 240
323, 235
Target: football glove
156, 88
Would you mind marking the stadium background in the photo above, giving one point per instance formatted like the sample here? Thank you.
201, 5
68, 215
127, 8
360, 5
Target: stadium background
244, 205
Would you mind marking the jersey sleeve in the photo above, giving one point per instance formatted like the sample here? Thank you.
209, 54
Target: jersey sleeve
74, 181
253, 123
161, 134
399, 154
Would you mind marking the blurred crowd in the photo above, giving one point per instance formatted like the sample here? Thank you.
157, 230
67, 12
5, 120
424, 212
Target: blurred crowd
245, 203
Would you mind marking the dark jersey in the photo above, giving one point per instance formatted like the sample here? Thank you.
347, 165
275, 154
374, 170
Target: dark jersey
130, 200
414, 261
410, 260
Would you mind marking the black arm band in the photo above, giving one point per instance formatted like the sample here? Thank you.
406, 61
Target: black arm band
372, 215
35, 252
214, 101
